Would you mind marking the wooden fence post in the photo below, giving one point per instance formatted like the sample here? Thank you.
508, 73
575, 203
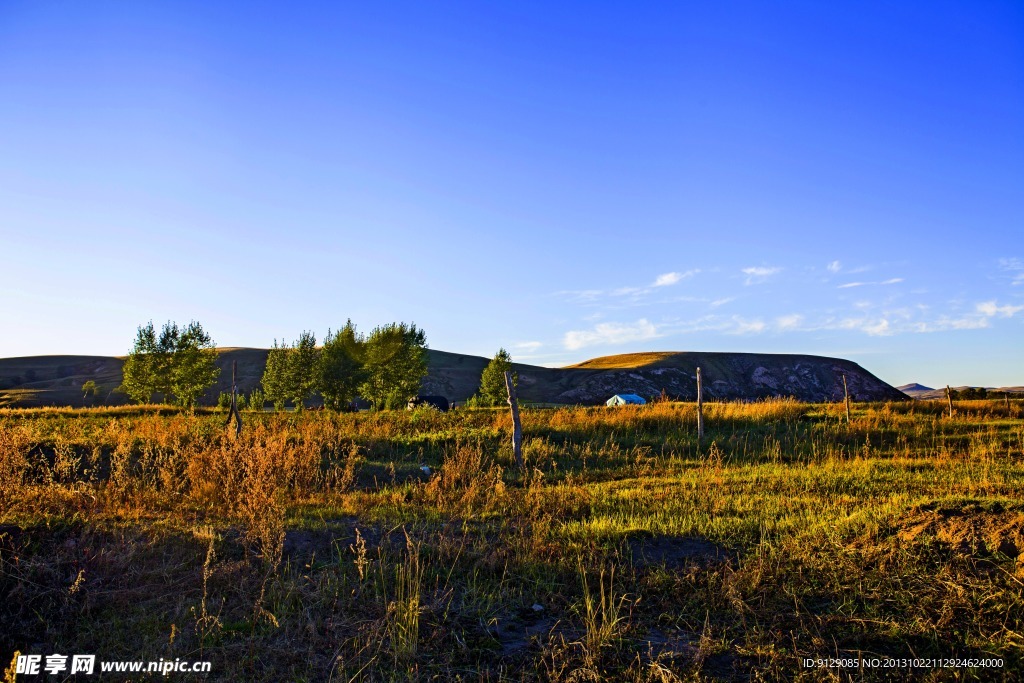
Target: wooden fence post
1006, 398
949, 399
517, 426
700, 408
233, 412
846, 399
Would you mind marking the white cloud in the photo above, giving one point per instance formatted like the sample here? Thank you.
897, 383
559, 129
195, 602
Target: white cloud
945, 323
756, 274
528, 346
721, 302
789, 322
890, 281
1013, 265
835, 267
879, 328
611, 333
990, 309
580, 295
742, 326
672, 278
875, 327
632, 294
902, 320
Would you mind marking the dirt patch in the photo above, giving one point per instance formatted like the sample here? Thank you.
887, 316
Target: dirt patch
670, 645
302, 545
674, 551
970, 527
521, 634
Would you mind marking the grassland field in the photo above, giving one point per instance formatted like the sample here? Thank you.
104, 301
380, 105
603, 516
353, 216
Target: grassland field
390, 546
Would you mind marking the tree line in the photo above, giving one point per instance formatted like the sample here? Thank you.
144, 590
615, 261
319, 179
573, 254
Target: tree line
178, 364
384, 368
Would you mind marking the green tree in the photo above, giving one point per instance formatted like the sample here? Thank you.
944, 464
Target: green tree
395, 363
193, 366
163, 360
139, 372
493, 391
340, 370
302, 369
256, 400
89, 387
275, 375
180, 362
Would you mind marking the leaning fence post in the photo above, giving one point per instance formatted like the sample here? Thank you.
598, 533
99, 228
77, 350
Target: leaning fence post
700, 408
233, 411
517, 427
846, 399
949, 399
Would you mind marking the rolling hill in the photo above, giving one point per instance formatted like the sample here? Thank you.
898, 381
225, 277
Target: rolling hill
57, 380
914, 390
924, 393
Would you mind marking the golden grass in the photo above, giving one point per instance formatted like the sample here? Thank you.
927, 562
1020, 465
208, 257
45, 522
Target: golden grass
625, 360
314, 547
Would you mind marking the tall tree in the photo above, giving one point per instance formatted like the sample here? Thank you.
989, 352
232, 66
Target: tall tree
163, 360
193, 364
275, 375
340, 370
395, 362
180, 362
139, 374
302, 369
492, 381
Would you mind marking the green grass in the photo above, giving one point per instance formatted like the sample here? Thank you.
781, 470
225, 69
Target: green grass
315, 548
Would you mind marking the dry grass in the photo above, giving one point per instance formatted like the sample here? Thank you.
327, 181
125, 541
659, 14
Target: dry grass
625, 360
315, 548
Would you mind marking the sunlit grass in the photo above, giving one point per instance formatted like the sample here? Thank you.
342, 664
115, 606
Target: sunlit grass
361, 545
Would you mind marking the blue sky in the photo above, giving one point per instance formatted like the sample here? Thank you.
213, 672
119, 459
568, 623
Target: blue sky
566, 180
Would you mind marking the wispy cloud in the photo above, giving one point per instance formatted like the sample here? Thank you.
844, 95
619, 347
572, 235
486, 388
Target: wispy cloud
757, 274
835, 267
581, 296
667, 279
632, 294
1016, 267
874, 327
527, 346
789, 322
610, 334
721, 302
890, 281
743, 326
991, 309
905, 320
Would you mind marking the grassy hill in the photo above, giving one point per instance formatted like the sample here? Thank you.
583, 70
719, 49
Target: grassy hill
927, 394
57, 380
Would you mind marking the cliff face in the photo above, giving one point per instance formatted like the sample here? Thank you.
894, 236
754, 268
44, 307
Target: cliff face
57, 380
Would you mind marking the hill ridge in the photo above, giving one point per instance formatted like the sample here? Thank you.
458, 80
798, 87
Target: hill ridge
57, 379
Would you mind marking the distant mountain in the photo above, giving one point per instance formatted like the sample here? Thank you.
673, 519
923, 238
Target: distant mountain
927, 394
914, 390
57, 380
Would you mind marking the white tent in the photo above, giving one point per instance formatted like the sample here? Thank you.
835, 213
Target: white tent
625, 400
